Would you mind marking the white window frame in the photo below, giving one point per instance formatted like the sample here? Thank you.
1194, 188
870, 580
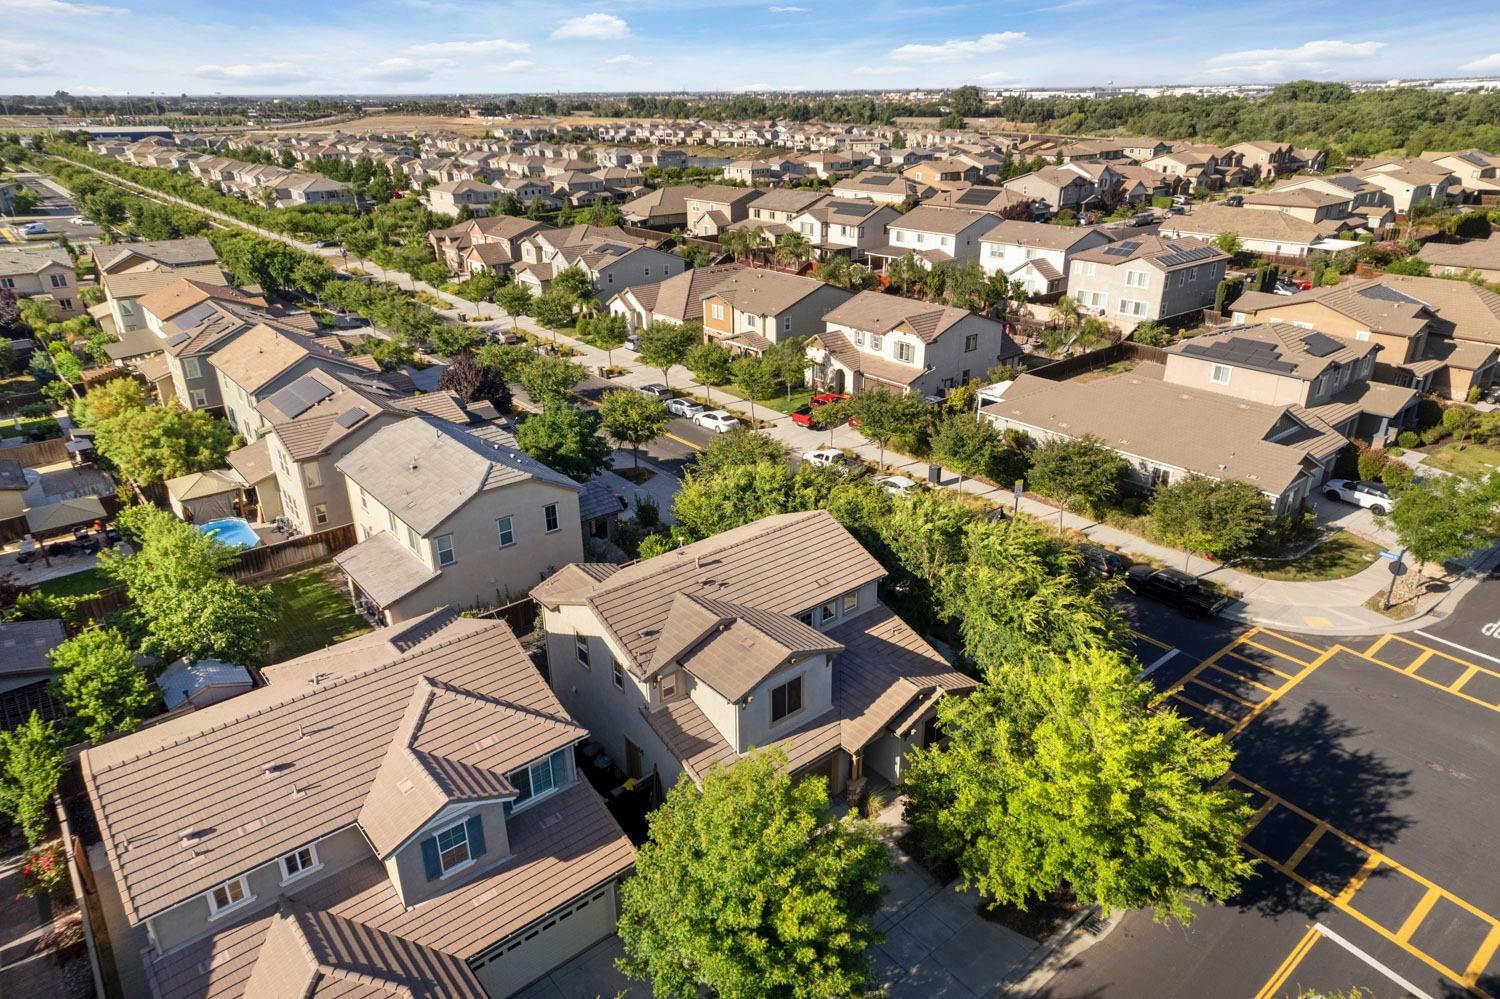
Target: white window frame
906, 352
581, 651
303, 870
216, 910
462, 826
199, 397
438, 551
550, 515
320, 513
618, 675
509, 528
312, 475
1226, 370
192, 367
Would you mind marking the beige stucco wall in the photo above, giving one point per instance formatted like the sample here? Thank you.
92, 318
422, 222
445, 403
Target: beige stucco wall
408, 873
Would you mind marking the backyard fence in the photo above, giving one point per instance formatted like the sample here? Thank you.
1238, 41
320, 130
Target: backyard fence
1125, 350
520, 615
34, 454
292, 553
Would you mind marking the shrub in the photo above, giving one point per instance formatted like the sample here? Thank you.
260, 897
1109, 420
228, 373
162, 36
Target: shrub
45, 872
1372, 462
1474, 394
1396, 474
1409, 439
1433, 434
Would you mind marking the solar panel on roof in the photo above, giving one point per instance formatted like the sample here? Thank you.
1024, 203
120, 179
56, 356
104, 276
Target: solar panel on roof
351, 417
1386, 294
300, 396
1121, 249
1187, 255
1321, 345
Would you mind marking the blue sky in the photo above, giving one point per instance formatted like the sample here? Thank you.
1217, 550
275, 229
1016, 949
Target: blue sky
437, 46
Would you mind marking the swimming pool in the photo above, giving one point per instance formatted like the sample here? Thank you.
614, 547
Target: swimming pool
233, 531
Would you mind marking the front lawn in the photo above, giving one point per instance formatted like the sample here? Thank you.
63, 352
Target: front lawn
800, 397
315, 613
77, 584
1342, 555
1472, 461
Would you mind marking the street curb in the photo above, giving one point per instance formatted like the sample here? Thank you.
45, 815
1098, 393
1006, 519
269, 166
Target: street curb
1057, 950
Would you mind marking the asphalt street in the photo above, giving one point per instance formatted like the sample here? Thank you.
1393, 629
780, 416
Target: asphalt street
1371, 765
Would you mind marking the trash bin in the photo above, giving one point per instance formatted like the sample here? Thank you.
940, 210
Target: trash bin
935, 474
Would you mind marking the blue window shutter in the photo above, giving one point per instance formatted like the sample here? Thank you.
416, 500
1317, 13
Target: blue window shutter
475, 829
430, 862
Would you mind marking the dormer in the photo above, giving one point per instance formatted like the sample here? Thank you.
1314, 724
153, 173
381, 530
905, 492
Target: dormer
457, 766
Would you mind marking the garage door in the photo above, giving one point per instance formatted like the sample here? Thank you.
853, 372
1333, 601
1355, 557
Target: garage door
517, 961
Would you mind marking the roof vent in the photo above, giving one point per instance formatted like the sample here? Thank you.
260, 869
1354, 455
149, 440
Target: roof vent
297, 792
193, 835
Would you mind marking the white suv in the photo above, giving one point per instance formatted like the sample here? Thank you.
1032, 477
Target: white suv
1370, 495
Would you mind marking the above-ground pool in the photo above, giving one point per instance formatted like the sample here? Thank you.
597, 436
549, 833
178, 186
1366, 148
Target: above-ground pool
233, 531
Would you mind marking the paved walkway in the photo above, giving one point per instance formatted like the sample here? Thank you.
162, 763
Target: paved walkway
1329, 607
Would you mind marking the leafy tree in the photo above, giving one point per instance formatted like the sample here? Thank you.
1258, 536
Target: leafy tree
971, 446
883, 416
1152, 334
157, 443
740, 446
1446, 517
98, 679
662, 345
789, 357
607, 332
754, 376
549, 378
711, 503
1056, 770
553, 308
506, 358
31, 764
573, 283
1229, 242
514, 298
793, 248
633, 418
565, 438
472, 381
453, 339
748, 888
181, 602
103, 402
1216, 517
709, 363
1079, 472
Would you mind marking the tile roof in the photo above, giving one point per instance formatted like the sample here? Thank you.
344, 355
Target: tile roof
1211, 220
874, 312
932, 218
680, 297
253, 461
1163, 254
33, 261
1049, 237
1479, 254
194, 800
173, 299
173, 252
262, 353
1379, 305
1278, 348
760, 292
385, 569
424, 469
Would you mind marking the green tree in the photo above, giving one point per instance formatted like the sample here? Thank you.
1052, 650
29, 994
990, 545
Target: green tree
565, 438
662, 345
31, 764
1056, 771
1229, 242
1216, 517
549, 378
748, 888
968, 445
607, 332
1079, 472
633, 418
755, 377
789, 357
740, 446
1446, 517
709, 504
883, 416
793, 249
98, 679
514, 298
157, 443
116, 396
709, 363
553, 308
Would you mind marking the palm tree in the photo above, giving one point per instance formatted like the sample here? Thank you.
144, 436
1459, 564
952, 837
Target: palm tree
1066, 310
793, 248
756, 242
733, 240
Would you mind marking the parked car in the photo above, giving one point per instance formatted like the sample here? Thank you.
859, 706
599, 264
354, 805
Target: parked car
685, 407
719, 421
896, 485
829, 457
1102, 561
1176, 588
1181, 201
1234, 201
78, 220
825, 398
1371, 495
33, 229
656, 390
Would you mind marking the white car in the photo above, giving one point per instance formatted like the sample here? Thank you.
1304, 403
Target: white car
33, 229
829, 457
718, 420
896, 485
79, 220
685, 407
1371, 495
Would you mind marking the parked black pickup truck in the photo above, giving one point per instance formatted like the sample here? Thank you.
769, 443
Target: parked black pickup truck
1175, 587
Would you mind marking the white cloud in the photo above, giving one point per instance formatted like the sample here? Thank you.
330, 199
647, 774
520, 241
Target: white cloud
253, 72
626, 59
58, 8
1319, 56
485, 46
1488, 64
593, 26
788, 10
957, 50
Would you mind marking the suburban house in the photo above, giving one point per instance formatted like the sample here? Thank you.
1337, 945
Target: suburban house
1409, 180
1267, 159
1190, 168
193, 336
1398, 318
1480, 257
1145, 278
677, 299
903, 345
1057, 187
1272, 232
1477, 170
610, 258
42, 273
483, 244
1365, 200
998, 200
264, 359
456, 195
850, 227
184, 302
754, 308
699, 211
774, 211
127, 271
1036, 255
942, 175
1303, 203
935, 236
447, 515
703, 655
882, 188
400, 814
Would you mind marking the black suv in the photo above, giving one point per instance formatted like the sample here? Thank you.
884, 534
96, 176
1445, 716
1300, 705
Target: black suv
1175, 587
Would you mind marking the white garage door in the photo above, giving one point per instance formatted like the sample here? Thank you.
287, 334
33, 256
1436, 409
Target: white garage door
517, 961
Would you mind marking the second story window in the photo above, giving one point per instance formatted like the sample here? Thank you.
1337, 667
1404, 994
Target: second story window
851, 602
971, 343
506, 531
877, 342
581, 650
829, 611
192, 368
229, 895
453, 846
906, 352
442, 547
312, 475
320, 513
549, 514
1220, 374
299, 862
618, 675
786, 699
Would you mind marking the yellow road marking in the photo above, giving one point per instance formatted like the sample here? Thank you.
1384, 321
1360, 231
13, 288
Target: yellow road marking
1224, 693
1292, 641
1281, 655
1243, 679
1418, 913
1204, 708
1147, 638
1226, 650
1276, 695
1289, 964
1306, 845
1260, 813
1447, 688
1251, 662
1342, 899
1417, 663
1457, 685
671, 436
1380, 643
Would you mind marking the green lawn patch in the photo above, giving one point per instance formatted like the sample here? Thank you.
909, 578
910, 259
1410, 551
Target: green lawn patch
77, 584
1342, 555
1472, 461
315, 613
800, 397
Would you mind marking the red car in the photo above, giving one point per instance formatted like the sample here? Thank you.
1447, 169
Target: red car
803, 417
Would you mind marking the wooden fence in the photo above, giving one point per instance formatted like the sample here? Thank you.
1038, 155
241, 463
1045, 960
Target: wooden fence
520, 616
1125, 350
292, 553
34, 454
